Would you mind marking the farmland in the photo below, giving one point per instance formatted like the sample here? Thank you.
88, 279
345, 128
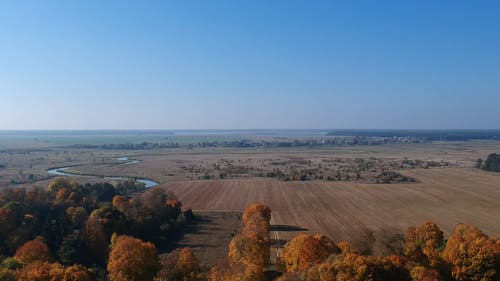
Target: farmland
343, 210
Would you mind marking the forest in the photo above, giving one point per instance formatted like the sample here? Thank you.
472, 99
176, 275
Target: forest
64, 232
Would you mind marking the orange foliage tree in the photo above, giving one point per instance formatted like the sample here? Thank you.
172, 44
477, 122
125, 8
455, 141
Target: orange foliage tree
226, 272
426, 238
256, 218
256, 223
77, 273
472, 254
41, 271
34, 250
351, 267
180, 264
305, 251
132, 259
420, 273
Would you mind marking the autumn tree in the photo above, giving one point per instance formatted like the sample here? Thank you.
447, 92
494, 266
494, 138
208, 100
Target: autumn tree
473, 255
352, 267
224, 271
95, 238
179, 265
256, 212
188, 263
7, 274
77, 273
62, 182
304, 251
420, 273
132, 259
427, 239
256, 222
41, 271
256, 218
76, 215
34, 250
246, 250
62, 196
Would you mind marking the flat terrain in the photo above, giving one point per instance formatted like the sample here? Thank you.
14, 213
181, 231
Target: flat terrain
342, 210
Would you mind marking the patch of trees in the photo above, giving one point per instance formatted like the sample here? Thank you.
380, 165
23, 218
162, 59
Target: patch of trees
491, 164
64, 232
393, 177
468, 254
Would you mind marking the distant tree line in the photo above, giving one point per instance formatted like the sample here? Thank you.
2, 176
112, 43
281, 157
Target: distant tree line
313, 142
430, 135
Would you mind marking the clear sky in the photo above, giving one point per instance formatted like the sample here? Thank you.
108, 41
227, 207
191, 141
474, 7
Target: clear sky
249, 64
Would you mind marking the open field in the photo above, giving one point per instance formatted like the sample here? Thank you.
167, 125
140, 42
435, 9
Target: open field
342, 210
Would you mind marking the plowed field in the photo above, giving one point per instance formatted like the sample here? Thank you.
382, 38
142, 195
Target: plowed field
342, 209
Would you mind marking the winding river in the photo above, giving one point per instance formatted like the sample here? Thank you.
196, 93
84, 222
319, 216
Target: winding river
61, 171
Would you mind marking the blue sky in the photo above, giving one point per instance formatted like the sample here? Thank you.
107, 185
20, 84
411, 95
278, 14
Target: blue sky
249, 64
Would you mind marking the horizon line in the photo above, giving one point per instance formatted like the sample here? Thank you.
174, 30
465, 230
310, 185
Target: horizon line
255, 129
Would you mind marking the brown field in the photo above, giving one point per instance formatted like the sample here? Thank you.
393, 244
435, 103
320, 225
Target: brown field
342, 210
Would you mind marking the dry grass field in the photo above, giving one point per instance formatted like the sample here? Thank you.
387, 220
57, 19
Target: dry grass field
166, 165
342, 210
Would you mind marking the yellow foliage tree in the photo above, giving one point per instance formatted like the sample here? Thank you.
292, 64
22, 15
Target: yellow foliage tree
62, 182
180, 264
41, 271
246, 250
132, 259
77, 273
473, 255
428, 239
420, 273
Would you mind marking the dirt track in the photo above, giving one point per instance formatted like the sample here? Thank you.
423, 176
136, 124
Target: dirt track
342, 209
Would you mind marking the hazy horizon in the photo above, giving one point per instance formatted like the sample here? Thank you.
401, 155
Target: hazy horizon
87, 65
